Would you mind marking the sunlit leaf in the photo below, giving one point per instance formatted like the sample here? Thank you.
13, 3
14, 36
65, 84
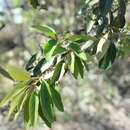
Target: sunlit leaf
46, 30
18, 74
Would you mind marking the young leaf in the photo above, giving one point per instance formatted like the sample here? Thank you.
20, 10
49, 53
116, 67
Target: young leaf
14, 103
33, 108
18, 74
20, 105
46, 102
19, 87
56, 99
46, 30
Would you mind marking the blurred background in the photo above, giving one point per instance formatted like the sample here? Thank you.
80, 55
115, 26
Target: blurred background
100, 101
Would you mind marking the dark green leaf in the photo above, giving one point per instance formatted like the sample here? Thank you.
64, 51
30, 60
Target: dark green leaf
57, 72
33, 108
56, 99
34, 3
105, 7
43, 117
46, 102
31, 61
108, 58
38, 68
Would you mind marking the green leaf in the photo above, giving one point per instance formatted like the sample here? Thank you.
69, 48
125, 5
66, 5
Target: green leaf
57, 72
31, 61
58, 50
78, 51
109, 57
18, 88
43, 117
46, 30
37, 70
46, 102
56, 99
79, 38
18, 74
33, 108
76, 66
27, 122
49, 48
34, 3
79, 66
14, 103
20, 105
73, 66
105, 7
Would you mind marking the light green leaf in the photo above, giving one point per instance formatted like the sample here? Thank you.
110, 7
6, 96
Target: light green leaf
79, 38
18, 74
46, 30
20, 105
49, 48
18, 88
14, 103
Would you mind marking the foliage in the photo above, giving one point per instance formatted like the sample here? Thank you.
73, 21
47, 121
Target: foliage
35, 90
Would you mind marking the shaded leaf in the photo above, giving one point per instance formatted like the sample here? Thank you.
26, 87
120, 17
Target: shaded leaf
45, 102
56, 99
43, 117
33, 108
38, 68
108, 58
